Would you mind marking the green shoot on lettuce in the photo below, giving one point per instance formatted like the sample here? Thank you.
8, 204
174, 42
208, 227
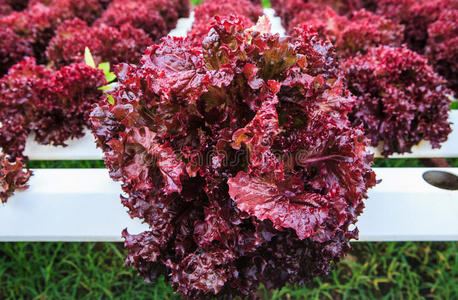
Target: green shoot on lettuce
110, 77
454, 101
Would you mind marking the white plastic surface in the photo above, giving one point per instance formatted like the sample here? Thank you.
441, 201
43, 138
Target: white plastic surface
404, 207
277, 27
84, 205
85, 149
67, 205
80, 149
183, 26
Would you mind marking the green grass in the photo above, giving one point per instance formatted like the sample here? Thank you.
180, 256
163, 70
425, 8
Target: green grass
96, 271
265, 3
71, 271
408, 163
378, 162
65, 164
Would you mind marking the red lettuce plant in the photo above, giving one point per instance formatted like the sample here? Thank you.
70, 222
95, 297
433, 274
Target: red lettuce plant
21, 95
105, 3
400, 99
287, 10
442, 46
5, 8
75, 88
35, 24
106, 43
183, 8
346, 7
155, 17
366, 30
16, 4
13, 48
209, 9
239, 155
38, 22
349, 36
54, 105
326, 21
205, 12
12, 177
87, 10
416, 15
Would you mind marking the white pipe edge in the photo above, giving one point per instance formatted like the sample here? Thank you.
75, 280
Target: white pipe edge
84, 205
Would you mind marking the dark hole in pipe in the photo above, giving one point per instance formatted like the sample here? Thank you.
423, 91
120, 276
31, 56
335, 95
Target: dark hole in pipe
442, 180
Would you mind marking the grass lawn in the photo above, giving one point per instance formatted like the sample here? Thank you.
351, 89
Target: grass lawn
96, 271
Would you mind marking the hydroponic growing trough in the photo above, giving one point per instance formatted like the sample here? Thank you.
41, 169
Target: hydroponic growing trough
83, 204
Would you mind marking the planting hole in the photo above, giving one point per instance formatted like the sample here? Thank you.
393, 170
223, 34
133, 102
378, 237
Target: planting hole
442, 180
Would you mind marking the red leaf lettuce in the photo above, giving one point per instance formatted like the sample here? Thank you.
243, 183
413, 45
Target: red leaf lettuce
239, 155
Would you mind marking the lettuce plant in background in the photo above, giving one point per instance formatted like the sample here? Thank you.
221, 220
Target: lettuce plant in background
349, 35
54, 106
117, 30
239, 156
249, 11
401, 100
46, 88
107, 44
12, 177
